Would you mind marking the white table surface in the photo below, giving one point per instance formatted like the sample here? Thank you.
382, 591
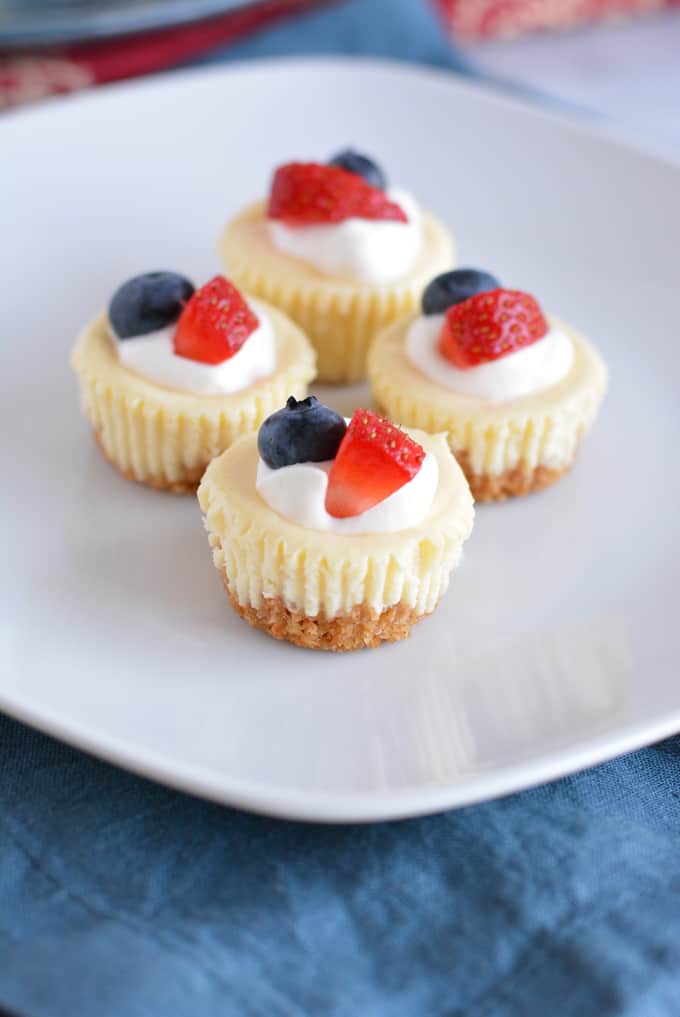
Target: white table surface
625, 73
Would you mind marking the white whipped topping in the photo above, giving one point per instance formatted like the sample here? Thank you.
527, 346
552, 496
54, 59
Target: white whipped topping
153, 357
363, 250
528, 370
298, 492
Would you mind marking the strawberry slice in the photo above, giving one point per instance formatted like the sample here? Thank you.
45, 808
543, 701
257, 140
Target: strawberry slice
490, 325
304, 193
375, 459
215, 323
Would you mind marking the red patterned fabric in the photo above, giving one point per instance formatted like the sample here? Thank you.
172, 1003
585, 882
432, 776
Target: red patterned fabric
27, 78
480, 19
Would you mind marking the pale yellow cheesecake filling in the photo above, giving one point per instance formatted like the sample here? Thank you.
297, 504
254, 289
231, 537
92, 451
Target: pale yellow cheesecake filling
540, 429
160, 435
340, 317
264, 555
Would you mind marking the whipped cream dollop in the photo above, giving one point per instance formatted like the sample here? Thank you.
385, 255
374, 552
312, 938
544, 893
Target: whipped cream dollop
362, 250
298, 492
528, 370
152, 356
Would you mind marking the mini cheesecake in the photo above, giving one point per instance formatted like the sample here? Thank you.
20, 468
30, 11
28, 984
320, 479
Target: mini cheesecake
339, 252
170, 377
513, 390
335, 537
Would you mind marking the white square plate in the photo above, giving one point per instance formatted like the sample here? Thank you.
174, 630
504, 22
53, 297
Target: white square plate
557, 643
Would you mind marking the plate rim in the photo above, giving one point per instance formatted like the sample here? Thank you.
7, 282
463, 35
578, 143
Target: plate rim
337, 808
357, 806
582, 122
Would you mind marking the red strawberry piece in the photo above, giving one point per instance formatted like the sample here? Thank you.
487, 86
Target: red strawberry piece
304, 193
214, 324
490, 325
375, 459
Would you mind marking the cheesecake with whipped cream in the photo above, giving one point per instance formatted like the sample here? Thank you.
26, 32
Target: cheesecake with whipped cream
170, 376
340, 252
514, 390
335, 534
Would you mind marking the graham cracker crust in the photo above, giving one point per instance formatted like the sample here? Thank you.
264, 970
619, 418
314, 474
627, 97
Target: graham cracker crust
509, 484
360, 628
186, 484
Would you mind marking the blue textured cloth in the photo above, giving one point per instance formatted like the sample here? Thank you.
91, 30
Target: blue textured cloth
400, 29
120, 898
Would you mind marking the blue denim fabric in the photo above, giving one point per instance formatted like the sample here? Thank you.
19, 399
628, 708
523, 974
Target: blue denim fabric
121, 898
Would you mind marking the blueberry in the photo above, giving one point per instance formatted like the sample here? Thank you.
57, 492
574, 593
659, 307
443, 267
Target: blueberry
453, 287
302, 432
148, 302
355, 162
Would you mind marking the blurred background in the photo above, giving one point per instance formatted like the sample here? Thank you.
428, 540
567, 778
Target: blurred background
617, 60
